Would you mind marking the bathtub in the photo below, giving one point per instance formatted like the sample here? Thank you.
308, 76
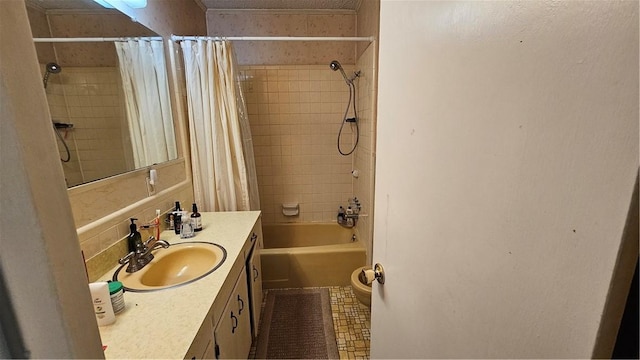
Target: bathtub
308, 255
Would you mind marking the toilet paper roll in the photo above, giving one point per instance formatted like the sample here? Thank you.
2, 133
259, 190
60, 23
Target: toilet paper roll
367, 276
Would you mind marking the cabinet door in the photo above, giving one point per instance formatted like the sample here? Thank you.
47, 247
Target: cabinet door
254, 273
257, 229
201, 347
233, 331
208, 353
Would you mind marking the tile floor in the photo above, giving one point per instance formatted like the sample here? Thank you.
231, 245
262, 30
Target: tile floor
351, 322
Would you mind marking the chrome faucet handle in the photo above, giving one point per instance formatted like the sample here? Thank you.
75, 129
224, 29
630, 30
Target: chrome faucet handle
125, 259
133, 260
150, 240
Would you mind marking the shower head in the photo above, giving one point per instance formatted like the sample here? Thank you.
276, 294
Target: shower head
335, 66
51, 68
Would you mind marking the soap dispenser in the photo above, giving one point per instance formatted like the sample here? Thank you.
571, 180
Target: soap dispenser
134, 236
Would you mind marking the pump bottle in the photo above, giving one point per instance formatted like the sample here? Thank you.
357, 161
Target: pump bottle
134, 236
196, 218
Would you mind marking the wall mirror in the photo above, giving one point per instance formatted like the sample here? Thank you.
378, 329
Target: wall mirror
89, 97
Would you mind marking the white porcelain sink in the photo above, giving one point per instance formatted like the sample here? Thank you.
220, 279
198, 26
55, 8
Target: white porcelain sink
180, 264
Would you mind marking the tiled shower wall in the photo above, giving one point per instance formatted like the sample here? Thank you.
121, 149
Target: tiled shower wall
295, 119
367, 20
90, 99
364, 156
295, 113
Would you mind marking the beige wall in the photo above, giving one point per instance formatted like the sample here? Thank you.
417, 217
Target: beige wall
40, 28
285, 23
367, 22
99, 24
70, 23
166, 17
40, 261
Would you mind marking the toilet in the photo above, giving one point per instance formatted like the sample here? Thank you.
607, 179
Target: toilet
362, 291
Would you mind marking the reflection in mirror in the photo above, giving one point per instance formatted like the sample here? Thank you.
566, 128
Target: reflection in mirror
93, 100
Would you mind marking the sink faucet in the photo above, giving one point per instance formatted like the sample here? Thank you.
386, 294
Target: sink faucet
142, 255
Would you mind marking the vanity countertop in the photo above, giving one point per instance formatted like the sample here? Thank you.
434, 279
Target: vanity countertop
162, 324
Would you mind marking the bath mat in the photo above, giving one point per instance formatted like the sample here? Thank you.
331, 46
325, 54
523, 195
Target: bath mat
297, 324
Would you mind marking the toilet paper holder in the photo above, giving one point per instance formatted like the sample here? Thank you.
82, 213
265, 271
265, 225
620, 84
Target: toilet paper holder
368, 275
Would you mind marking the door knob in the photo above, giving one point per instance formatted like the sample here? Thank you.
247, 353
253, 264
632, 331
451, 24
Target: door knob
367, 276
378, 272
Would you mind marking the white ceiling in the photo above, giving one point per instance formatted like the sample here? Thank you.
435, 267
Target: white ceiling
282, 4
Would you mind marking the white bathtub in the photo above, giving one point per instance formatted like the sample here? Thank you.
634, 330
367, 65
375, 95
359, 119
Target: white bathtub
308, 255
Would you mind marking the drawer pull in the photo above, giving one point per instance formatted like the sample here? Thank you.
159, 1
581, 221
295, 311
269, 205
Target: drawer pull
254, 237
234, 323
255, 277
241, 305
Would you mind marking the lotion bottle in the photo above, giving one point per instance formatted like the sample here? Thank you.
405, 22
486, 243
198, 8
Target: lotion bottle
196, 218
102, 303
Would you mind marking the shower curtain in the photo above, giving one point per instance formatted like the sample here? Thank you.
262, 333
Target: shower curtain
222, 161
146, 91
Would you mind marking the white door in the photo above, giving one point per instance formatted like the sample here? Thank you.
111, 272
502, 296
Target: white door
507, 152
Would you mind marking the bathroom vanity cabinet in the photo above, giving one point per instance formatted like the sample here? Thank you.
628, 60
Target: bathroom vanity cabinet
203, 345
254, 278
233, 330
230, 338
237, 324
214, 317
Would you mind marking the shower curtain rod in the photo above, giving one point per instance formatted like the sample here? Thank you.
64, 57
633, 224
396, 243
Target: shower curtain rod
274, 38
231, 38
94, 39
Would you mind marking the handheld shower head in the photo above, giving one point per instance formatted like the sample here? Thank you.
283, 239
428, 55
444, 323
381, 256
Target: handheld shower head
51, 68
335, 66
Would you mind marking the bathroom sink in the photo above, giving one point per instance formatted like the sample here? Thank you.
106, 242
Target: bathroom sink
180, 264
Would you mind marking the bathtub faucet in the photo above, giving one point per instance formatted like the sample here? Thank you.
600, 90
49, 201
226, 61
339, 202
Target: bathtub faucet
349, 217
